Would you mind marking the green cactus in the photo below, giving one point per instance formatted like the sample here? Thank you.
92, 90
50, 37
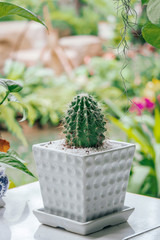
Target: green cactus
84, 123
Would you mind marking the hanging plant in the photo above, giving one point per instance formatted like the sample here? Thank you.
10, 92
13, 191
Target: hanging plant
150, 30
127, 14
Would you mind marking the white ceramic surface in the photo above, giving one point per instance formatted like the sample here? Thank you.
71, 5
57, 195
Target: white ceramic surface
83, 228
83, 188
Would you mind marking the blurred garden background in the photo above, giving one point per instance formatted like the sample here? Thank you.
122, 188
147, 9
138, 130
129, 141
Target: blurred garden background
79, 53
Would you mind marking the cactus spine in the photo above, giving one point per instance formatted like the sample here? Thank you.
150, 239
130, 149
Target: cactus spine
84, 123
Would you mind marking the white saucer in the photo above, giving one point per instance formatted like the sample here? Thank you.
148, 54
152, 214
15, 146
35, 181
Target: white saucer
83, 228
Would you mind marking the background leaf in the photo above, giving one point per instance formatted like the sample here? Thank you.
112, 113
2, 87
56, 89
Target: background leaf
11, 184
156, 129
7, 9
145, 1
8, 117
10, 85
157, 164
11, 159
151, 33
138, 177
153, 12
136, 134
12, 98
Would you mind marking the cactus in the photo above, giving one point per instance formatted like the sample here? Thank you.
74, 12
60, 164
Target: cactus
84, 123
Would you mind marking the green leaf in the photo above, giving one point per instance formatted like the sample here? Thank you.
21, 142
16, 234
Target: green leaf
136, 134
145, 1
11, 184
11, 159
151, 33
7, 9
25, 114
150, 185
15, 154
145, 119
157, 165
8, 117
156, 129
12, 98
10, 85
146, 161
116, 110
136, 180
153, 12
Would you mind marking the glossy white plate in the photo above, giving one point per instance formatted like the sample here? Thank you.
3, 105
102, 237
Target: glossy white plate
83, 228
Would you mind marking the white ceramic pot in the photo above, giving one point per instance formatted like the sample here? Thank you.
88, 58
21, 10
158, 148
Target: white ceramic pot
85, 187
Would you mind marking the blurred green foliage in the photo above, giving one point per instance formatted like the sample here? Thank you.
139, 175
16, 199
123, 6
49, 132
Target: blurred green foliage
43, 94
68, 16
73, 17
144, 130
46, 95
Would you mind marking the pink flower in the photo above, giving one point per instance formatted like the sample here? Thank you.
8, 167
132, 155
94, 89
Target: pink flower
148, 104
139, 105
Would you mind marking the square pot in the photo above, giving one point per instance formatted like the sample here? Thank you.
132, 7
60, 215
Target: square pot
83, 187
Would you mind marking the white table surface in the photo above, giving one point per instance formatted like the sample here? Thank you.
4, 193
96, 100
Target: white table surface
17, 221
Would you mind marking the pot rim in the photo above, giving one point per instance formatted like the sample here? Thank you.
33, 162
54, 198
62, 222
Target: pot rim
123, 146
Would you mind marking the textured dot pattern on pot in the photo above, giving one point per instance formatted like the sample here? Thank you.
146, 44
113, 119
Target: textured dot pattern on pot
83, 187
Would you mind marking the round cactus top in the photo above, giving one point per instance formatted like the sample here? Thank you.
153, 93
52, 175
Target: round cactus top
84, 123
82, 95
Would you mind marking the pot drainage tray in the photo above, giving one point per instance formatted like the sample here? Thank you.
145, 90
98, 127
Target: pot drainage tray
83, 228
